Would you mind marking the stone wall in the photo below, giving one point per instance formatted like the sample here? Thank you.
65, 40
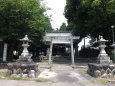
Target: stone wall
22, 69
101, 70
3, 66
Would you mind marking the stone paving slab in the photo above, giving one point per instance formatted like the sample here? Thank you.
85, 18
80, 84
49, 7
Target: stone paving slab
66, 76
65, 73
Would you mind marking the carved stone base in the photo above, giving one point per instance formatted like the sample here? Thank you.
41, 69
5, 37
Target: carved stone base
27, 58
104, 59
22, 69
101, 70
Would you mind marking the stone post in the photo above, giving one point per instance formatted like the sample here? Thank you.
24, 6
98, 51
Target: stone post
47, 52
5, 52
114, 54
114, 51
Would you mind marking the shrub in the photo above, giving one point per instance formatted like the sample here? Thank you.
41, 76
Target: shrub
88, 52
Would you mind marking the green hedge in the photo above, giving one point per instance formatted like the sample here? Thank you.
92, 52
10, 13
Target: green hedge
88, 52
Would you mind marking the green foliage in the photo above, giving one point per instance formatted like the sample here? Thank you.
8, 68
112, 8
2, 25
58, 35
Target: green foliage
20, 17
2, 73
88, 53
112, 57
28, 79
44, 80
100, 81
63, 27
91, 17
85, 70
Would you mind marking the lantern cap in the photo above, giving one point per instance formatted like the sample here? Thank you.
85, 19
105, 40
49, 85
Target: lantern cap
25, 39
102, 40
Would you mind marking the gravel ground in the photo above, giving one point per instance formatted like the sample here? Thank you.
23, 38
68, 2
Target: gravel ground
28, 83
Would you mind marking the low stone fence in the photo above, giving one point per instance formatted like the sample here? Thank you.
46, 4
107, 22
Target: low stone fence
3, 66
85, 59
22, 69
101, 70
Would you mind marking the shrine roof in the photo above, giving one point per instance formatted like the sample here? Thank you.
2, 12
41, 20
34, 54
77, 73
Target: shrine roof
59, 31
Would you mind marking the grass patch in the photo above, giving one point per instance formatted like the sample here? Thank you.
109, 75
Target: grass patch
100, 81
23, 79
41, 80
85, 70
28, 79
44, 80
2, 73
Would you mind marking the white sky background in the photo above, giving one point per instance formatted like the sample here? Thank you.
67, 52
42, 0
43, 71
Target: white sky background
57, 10
82, 43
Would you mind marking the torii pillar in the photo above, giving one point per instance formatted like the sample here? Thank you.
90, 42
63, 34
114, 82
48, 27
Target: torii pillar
50, 53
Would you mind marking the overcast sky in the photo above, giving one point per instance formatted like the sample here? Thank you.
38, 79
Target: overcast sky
57, 10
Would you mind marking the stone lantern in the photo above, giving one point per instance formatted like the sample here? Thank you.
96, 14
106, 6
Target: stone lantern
103, 57
103, 67
25, 56
24, 67
25, 44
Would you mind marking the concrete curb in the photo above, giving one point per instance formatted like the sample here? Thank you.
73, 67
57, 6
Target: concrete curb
112, 81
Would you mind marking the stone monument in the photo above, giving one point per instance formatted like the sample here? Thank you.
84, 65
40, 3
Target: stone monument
103, 56
103, 67
24, 67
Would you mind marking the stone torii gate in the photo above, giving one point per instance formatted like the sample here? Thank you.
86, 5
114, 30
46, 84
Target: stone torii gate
61, 39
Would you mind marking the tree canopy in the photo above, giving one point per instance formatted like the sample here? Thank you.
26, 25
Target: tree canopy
63, 27
91, 17
20, 17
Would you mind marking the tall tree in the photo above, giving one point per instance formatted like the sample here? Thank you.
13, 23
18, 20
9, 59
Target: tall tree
20, 17
91, 17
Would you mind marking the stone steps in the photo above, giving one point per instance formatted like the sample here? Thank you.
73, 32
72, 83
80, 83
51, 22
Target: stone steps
66, 59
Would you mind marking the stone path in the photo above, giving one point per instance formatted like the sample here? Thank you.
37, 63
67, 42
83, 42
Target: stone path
66, 76
65, 73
